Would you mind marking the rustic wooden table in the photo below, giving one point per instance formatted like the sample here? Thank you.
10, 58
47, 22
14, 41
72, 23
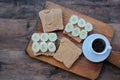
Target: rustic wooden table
15, 34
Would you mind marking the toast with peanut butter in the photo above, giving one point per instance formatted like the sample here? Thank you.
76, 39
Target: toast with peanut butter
51, 19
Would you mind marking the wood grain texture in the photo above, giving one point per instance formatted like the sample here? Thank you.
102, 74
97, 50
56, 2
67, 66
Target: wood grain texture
114, 58
15, 64
89, 70
104, 10
115, 55
16, 32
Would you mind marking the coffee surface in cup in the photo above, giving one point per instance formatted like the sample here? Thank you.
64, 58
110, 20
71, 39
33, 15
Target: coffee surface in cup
98, 45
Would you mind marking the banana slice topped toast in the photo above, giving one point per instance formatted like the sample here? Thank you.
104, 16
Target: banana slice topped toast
44, 43
77, 28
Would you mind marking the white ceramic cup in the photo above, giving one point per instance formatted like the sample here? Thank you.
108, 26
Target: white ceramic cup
98, 43
96, 47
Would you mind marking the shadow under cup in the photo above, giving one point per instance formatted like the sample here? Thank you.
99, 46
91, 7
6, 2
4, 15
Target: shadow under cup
98, 45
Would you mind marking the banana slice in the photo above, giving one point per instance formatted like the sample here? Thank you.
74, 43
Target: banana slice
88, 27
83, 34
43, 47
51, 47
35, 47
76, 31
73, 19
69, 27
35, 37
52, 36
44, 37
81, 22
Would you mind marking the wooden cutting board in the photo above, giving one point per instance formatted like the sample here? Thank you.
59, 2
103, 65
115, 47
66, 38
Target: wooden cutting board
82, 66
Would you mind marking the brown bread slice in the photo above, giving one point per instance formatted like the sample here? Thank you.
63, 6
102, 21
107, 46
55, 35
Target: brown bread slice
51, 19
67, 52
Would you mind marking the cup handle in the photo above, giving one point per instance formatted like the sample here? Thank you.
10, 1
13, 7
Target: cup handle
109, 47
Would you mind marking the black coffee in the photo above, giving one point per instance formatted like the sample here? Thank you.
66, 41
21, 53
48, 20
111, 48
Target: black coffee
98, 45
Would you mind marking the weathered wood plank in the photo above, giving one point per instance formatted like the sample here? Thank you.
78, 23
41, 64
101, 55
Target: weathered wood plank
116, 38
14, 34
16, 65
104, 10
13, 67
